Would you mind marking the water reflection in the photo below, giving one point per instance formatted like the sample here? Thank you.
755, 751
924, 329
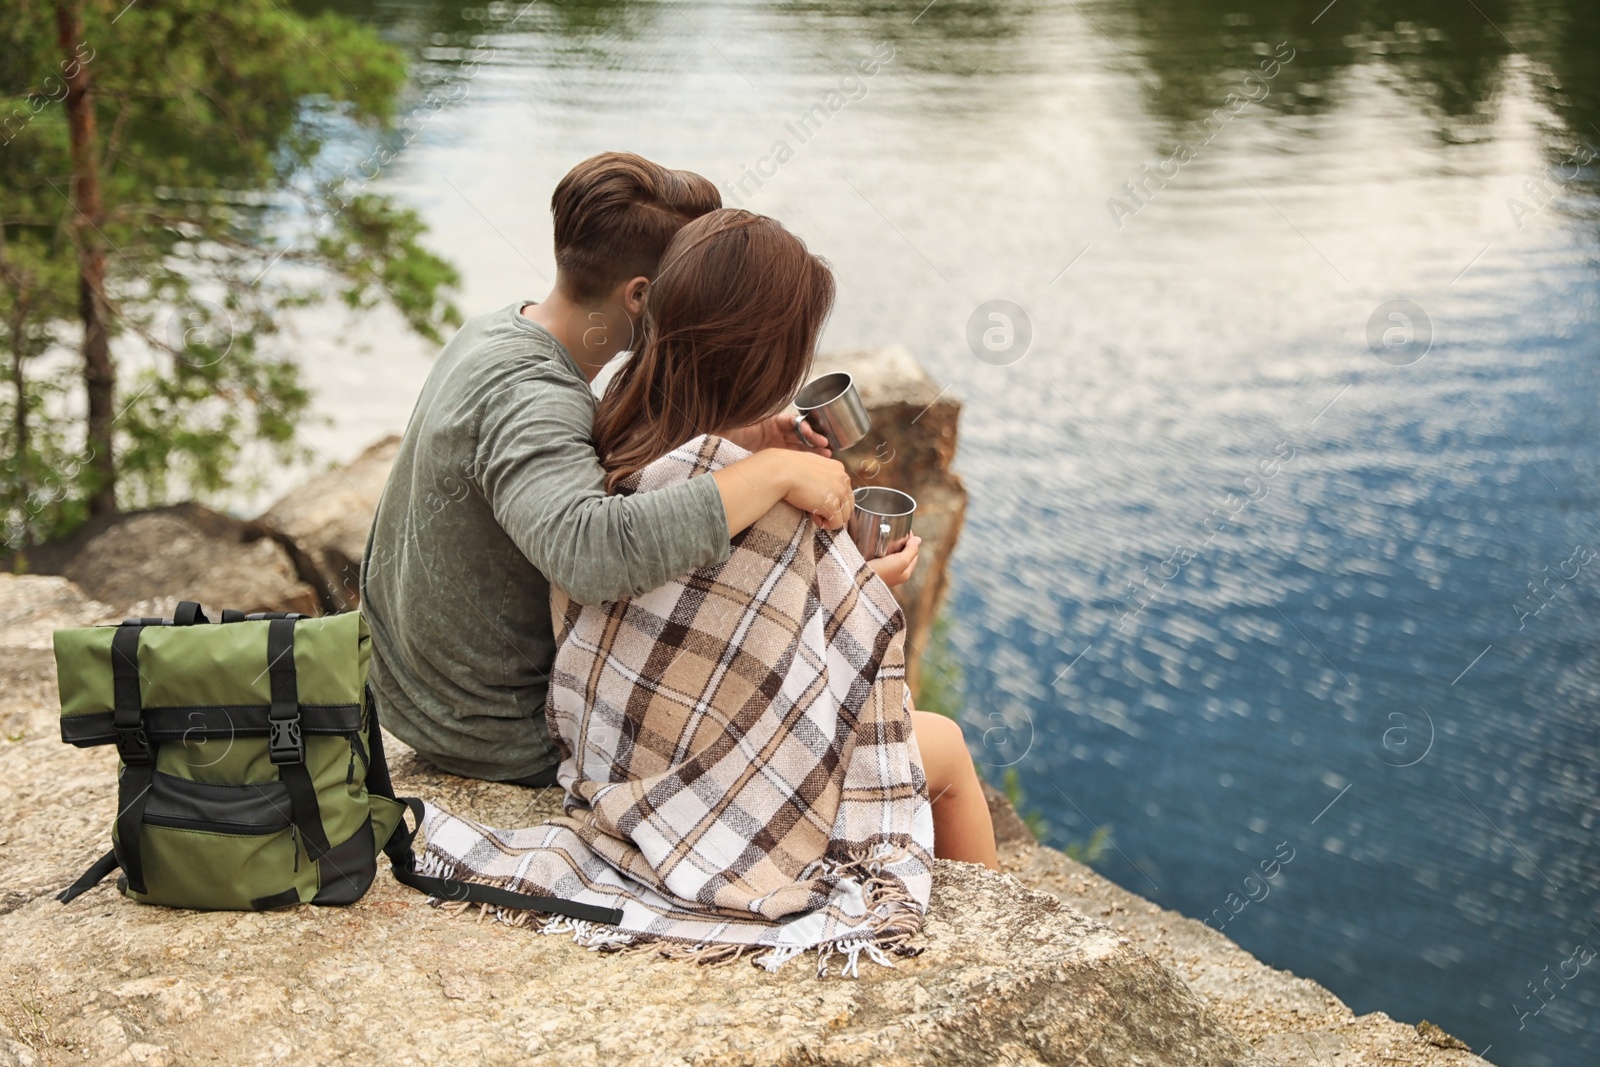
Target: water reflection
1444, 55
1451, 59
448, 31
1569, 48
962, 41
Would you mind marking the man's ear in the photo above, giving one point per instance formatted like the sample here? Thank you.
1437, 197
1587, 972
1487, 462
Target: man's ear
634, 292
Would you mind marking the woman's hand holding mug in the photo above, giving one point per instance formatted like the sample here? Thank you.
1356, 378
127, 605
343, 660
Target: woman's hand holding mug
779, 432
896, 568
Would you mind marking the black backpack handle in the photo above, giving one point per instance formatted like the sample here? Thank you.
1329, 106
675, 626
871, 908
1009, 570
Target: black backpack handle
233, 615
188, 614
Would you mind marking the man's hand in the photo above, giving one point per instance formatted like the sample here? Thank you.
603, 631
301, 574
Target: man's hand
778, 432
896, 569
820, 486
810, 482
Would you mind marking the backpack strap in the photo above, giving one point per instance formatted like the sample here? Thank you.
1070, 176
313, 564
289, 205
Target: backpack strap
404, 863
285, 745
137, 752
90, 878
403, 860
138, 757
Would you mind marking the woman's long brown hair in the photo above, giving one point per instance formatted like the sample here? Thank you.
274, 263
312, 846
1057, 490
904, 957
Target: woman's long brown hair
730, 327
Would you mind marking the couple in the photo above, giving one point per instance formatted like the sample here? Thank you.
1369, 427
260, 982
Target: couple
647, 600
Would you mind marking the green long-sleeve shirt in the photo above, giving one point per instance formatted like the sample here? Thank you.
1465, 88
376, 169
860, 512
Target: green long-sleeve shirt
495, 495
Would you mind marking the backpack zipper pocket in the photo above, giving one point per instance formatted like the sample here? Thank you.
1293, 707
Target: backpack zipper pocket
251, 810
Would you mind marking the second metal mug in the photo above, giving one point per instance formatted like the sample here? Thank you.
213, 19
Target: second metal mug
834, 409
881, 521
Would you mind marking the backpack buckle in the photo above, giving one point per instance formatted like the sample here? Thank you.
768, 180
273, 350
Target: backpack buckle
133, 744
283, 743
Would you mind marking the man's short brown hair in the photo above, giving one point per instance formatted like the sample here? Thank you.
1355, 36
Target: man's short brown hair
615, 214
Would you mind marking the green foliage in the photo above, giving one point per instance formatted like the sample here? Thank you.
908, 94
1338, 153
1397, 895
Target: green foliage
1011, 786
1089, 852
376, 248
941, 687
219, 217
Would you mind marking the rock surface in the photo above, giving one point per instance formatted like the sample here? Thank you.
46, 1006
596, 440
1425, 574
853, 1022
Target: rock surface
34, 607
911, 448
144, 562
328, 518
1048, 964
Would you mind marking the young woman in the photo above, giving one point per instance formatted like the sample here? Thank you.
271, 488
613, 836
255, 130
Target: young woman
730, 331
742, 767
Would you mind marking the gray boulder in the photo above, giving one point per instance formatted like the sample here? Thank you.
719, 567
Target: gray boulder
326, 522
144, 562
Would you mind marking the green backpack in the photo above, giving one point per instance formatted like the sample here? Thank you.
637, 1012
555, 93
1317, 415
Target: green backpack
251, 771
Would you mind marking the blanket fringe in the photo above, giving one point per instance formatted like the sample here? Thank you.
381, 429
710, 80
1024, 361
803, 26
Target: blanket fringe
597, 937
706, 954
897, 919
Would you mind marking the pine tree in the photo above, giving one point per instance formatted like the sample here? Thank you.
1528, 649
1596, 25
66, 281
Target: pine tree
167, 201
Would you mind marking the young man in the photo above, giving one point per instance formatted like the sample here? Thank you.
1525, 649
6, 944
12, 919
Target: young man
497, 494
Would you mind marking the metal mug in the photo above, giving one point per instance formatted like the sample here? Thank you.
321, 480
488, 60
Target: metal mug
834, 409
881, 522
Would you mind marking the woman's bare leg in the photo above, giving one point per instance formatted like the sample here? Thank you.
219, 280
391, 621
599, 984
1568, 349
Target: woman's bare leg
961, 826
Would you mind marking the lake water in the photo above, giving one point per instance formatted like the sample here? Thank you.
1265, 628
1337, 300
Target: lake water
1248, 561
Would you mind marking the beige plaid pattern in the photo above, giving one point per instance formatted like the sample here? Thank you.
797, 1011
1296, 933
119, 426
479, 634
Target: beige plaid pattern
738, 758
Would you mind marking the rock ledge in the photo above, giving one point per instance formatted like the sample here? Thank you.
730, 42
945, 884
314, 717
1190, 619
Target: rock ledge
1049, 964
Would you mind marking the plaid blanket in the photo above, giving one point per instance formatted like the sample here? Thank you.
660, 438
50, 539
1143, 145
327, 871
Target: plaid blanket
740, 771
